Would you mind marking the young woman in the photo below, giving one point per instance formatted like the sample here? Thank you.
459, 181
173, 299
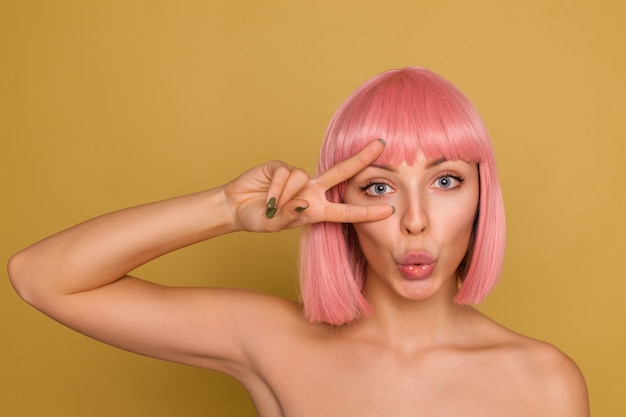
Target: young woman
404, 229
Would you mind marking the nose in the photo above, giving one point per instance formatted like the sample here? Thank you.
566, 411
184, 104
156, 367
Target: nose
414, 216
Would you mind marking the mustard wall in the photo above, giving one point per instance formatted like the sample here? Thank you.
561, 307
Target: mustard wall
109, 104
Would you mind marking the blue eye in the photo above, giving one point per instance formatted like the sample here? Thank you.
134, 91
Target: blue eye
447, 182
377, 189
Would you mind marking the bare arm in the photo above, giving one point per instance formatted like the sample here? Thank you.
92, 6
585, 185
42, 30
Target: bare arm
79, 276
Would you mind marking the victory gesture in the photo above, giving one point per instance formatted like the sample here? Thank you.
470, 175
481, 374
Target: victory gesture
385, 308
275, 196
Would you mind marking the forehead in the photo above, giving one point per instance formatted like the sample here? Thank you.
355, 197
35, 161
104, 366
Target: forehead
421, 167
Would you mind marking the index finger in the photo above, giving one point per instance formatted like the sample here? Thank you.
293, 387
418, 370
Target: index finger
348, 168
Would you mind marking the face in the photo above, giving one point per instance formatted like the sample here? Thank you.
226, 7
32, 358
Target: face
414, 253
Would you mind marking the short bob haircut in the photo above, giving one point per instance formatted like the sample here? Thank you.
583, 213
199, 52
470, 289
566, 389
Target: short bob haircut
413, 110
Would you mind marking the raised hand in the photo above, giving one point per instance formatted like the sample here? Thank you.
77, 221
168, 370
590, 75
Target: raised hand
275, 196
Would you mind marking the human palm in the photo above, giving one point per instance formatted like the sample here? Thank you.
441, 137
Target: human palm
297, 198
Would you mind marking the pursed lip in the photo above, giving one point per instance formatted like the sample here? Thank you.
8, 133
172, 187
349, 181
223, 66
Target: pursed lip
417, 265
417, 258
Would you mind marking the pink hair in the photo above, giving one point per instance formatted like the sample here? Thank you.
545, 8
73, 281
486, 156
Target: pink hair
413, 110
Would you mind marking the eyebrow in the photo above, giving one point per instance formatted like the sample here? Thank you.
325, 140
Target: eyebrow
431, 164
436, 162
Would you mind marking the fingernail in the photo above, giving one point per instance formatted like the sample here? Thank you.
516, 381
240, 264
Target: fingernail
272, 203
383, 141
393, 209
300, 209
271, 212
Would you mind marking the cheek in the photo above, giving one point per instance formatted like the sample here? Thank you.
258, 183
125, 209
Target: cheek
452, 219
461, 232
366, 234
373, 237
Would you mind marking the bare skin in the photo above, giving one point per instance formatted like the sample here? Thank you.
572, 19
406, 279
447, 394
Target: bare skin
417, 354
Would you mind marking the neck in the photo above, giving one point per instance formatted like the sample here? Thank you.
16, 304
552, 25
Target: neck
416, 324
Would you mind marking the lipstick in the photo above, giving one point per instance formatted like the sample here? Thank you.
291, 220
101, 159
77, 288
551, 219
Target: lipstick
417, 265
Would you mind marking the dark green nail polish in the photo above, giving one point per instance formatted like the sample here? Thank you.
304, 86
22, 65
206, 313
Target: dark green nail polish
271, 212
393, 209
300, 209
272, 203
383, 141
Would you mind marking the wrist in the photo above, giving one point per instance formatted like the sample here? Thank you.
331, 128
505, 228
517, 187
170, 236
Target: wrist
217, 214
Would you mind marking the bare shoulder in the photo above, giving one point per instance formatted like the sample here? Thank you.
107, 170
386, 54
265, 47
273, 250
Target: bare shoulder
565, 390
550, 376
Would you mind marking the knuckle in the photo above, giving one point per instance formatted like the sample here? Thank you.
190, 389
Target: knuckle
282, 169
300, 176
